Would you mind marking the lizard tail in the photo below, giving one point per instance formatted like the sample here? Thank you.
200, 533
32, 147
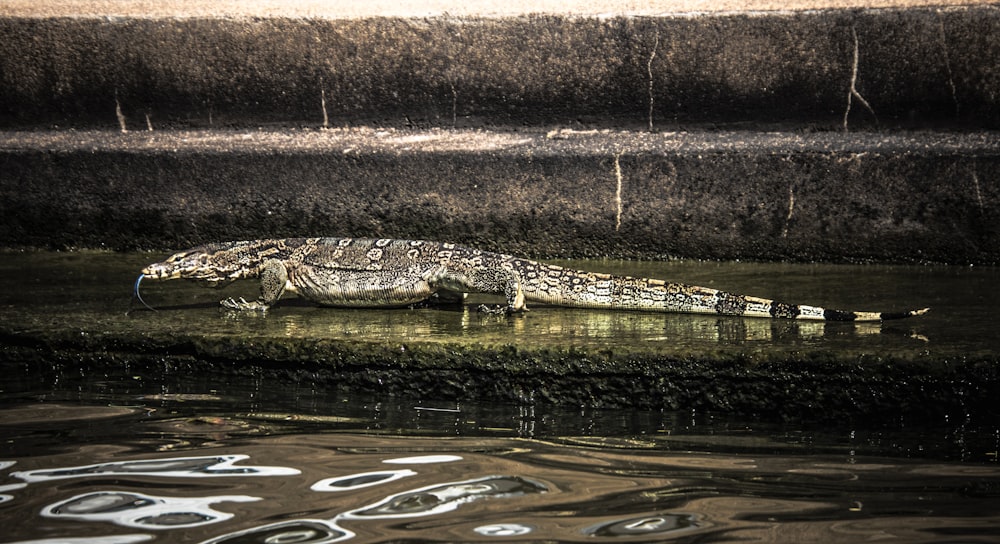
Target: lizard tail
704, 300
841, 315
730, 304
564, 287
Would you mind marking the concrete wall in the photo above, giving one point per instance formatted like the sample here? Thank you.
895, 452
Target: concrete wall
918, 67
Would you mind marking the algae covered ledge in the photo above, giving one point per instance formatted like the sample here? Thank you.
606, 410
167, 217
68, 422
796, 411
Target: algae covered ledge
811, 387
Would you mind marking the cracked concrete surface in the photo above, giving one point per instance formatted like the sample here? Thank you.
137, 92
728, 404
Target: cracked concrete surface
852, 90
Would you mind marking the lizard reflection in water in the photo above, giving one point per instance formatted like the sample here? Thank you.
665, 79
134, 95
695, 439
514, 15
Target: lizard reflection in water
385, 273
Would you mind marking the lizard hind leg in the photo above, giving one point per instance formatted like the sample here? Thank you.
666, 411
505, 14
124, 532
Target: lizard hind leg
508, 283
273, 279
515, 296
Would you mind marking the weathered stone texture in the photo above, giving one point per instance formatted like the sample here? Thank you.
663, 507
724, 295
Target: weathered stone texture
916, 67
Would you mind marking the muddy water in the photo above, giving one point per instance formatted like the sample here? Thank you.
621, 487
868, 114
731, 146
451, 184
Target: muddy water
168, 456
183, 469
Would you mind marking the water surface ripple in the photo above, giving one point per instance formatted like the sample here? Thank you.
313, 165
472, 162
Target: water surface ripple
218, 479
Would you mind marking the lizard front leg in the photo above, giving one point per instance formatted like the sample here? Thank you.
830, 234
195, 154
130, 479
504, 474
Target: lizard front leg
273, 278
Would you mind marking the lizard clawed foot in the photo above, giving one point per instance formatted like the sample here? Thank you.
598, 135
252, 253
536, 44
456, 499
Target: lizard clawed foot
495, 309
500, 309
242, 305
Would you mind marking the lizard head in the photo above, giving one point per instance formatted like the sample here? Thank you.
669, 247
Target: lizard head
213, 264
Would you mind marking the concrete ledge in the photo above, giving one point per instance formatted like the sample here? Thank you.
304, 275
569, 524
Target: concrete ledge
838, 197
912, 67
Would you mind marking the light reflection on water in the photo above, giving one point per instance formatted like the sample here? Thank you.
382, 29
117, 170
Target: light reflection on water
186, 467
142, 511
301, 485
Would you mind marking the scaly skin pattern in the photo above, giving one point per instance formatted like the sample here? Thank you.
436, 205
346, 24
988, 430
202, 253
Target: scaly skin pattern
383, 273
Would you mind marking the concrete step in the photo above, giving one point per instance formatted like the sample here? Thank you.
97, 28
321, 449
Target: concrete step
660, 67
805, 196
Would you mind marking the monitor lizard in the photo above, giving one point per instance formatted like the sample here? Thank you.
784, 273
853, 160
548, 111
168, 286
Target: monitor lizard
384, 273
